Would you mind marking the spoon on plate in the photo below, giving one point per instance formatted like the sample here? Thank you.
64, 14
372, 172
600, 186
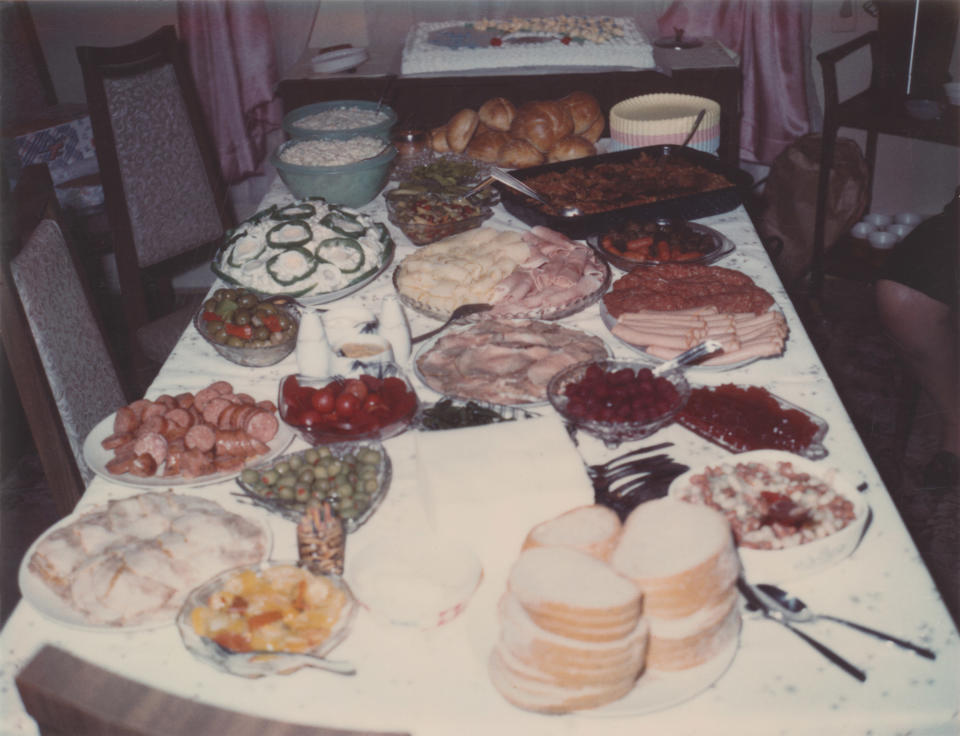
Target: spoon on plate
796, 610
707, 347
464, 310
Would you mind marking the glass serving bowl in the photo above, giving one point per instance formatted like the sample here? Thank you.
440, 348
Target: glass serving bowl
258, 664
382, 403
352, 476
449, 215
615, 431
251, 357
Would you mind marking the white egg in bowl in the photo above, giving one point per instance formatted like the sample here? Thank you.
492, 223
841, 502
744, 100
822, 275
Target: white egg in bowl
790, 516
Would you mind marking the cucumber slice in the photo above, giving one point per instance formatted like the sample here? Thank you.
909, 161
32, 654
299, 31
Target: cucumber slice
344, 253
289, 234
291, 265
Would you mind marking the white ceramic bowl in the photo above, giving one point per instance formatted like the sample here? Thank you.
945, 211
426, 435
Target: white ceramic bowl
877, 219
899, 229
423, 582
882, 239
908, 218
862, 229
788, 563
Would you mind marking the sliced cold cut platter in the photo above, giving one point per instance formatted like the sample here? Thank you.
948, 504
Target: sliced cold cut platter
97, 458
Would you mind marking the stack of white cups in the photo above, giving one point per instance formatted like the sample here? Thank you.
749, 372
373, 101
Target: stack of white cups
884, 231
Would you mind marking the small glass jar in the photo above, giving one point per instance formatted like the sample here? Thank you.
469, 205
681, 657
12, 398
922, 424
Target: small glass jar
410, 142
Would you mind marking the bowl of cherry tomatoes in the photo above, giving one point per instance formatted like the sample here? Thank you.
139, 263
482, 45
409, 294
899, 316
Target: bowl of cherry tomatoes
371, 401
617, 400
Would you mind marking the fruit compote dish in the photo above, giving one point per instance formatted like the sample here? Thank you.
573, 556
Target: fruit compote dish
617, 400
375, 401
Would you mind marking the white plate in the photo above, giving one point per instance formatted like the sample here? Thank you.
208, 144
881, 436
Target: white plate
97, 458
609, 321
340, 60
36, 592
660, 690
428, 344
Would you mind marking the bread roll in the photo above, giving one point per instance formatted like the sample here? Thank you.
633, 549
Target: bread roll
438, 140
518, 154
584, 109
497, 113
460, 129
594, 132
571, 147
542, 123
485, 145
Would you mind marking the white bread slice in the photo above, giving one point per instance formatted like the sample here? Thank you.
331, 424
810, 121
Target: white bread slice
678, 644
570, 675
592, 529
543, 698
682, 556
543, 649
562, 588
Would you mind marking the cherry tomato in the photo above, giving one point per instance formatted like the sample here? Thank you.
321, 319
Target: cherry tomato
347, 404
310, 418
393, 389
323, 400
374, 404
356, 387
372, 382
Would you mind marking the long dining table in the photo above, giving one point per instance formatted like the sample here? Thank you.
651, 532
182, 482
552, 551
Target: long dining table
487, 486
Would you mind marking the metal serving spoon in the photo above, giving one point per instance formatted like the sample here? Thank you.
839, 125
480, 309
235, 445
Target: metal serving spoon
245, 663
464, 310
504, 177
757, 603
707, 347
796, 610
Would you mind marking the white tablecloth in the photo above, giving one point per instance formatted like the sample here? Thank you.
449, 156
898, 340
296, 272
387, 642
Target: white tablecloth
435, 682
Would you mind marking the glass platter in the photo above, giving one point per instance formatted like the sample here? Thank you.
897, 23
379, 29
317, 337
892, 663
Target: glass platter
550, 313
814, 450
293, 509
428, 345
721, 246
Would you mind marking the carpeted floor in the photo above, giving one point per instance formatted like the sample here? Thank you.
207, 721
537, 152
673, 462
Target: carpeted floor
870, 380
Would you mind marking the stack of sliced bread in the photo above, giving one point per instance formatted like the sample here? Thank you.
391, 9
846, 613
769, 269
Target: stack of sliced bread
682, 556
571, 632
591, 529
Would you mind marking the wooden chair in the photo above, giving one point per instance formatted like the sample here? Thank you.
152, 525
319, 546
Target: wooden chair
61, 362
66, 695
166, 199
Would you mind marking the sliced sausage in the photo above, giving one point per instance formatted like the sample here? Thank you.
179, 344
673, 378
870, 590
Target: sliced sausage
200, 437
167, 400
153, 410
125, 420
139, 406
156, 424
195, 463
221, 387
245, 398
180, 416
229, 442
184, 400
242, 416
213, 410
144, 466
267, 405
175, 452
153, 444
262, 426
203, 397
117, 439
229, 463
121, 462
257, 447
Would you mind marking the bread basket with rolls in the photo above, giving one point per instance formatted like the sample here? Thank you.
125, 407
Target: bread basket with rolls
533, 133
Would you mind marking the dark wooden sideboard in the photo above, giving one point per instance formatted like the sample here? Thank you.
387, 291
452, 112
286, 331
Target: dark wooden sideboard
425, 101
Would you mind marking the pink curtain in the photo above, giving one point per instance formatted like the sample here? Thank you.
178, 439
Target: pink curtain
771, 38
230, 47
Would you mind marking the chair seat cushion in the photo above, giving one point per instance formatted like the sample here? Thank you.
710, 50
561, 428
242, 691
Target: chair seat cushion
157, 339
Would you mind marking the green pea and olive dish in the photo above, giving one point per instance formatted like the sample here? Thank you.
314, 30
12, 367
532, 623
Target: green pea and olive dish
352, 477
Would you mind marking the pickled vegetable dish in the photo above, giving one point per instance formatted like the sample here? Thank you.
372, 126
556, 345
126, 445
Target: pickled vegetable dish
280, 609
238, 318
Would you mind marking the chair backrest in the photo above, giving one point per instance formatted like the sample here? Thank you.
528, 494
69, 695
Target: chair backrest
61, 362
165, 196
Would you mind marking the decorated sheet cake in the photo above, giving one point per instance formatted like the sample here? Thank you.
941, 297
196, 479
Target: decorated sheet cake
563, 40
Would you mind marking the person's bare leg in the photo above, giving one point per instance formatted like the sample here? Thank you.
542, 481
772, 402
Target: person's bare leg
925, 332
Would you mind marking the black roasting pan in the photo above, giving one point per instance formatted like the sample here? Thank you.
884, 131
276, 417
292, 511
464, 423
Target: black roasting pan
689, 207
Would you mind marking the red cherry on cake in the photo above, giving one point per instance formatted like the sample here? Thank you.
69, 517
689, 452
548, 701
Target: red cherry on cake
496, 41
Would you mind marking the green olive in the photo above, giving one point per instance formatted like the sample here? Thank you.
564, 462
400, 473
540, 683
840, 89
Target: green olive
235, 342
247, 300
240, 317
